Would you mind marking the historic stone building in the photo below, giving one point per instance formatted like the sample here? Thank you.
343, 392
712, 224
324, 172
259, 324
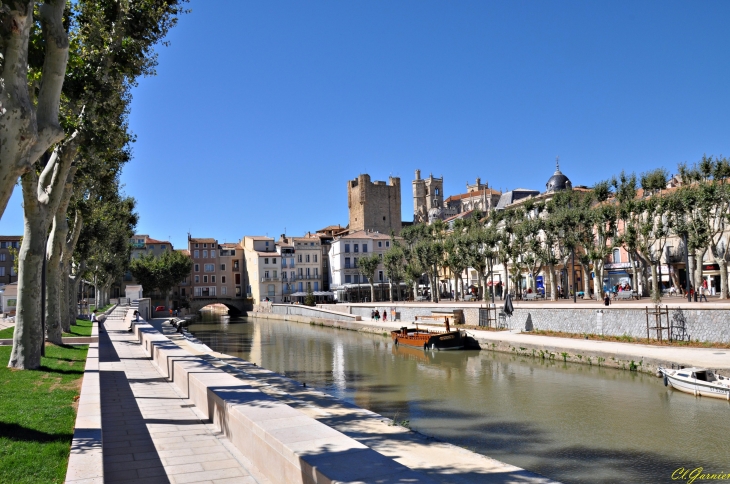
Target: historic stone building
477, 197
428, 198
374, 205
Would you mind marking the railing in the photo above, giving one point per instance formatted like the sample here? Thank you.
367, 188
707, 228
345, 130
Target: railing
266, 279
675, 255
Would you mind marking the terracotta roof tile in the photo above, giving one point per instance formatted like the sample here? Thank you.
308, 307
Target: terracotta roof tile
475, 194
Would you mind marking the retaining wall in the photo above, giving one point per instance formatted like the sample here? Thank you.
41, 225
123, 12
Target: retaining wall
282, 442
712, 325
86, 461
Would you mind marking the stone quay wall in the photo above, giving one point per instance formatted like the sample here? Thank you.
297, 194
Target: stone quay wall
711, 325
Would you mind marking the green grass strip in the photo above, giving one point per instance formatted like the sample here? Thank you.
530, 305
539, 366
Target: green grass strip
81, 328
37, 415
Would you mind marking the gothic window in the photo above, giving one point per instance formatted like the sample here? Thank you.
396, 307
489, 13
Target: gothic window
436, 192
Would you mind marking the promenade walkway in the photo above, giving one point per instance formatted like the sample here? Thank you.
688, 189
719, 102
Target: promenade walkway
151, 434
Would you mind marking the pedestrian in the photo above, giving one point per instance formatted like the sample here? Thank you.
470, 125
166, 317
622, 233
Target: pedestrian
170, 312
372, 314
377, 315
606, 299
136, 316
385, 315
703, 292
93, 317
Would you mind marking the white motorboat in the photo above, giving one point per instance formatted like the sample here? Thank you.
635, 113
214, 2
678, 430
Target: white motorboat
697, 381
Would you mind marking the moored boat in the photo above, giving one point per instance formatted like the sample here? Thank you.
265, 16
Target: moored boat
435, 340
697, 381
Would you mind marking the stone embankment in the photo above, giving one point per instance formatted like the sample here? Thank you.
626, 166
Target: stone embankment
437, 461
160, 390
626, 356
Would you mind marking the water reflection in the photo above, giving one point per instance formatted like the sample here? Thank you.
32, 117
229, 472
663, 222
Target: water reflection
574, 423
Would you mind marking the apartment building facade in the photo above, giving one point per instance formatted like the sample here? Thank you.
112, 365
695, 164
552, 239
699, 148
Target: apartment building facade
231, 273
8, 243
301, 270
205, 276
347, 281
262, 267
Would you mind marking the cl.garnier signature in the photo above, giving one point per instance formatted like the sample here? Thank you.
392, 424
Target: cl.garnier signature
698, 474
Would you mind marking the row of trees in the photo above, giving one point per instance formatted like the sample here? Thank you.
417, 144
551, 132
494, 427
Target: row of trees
67, 72
636, 213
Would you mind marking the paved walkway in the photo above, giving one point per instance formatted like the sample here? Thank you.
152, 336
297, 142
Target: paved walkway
151, 434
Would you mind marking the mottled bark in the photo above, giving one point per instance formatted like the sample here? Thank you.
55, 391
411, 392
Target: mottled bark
41, 196
68, 307
54, 269
586, 269
553, 284
27, 128
699, 257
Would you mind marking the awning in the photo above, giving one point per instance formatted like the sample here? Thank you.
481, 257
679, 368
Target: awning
323, 293
298, 294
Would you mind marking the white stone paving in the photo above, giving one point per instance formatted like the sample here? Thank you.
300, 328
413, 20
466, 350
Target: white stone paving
151, 434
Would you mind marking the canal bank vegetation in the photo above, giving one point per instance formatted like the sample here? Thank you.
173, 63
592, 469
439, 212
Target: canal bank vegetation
630, 339
37, 414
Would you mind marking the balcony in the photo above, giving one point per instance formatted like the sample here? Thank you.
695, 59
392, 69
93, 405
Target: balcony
268, 279
675, 255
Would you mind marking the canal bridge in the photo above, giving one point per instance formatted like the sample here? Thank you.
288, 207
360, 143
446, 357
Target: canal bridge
234, 305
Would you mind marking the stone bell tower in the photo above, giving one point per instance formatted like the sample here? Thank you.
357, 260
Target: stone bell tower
428, 198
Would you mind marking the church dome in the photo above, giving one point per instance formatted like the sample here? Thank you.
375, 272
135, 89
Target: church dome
558, 181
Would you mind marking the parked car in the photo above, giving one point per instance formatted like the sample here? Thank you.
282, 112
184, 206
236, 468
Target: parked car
160, 308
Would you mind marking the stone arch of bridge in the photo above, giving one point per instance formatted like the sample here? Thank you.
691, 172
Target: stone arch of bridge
235, 306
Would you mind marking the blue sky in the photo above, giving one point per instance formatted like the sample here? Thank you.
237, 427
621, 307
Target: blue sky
261, 111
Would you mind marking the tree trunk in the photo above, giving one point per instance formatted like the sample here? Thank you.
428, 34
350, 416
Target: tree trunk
28, 337
54, 269
41, 196
28, 131
586, 269
675, 279
656, 292
63, 297
553, 285
699, 258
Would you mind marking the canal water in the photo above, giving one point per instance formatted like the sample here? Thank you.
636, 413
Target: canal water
570, 422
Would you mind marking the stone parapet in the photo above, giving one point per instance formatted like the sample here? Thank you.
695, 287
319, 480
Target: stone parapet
85, 463
282, 442
703, 323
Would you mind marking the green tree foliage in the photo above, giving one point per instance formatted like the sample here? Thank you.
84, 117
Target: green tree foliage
368, 265
309, 299
161, 273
